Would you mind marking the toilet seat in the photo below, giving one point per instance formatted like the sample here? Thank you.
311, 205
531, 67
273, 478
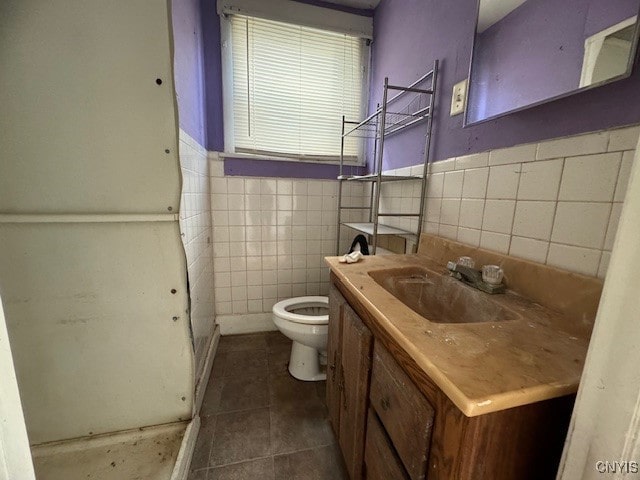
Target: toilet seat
282, 310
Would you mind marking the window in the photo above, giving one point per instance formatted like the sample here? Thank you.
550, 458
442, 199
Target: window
291, 86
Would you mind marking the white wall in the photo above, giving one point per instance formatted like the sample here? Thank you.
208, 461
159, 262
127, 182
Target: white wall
89, 195
15, 456
604, 427
556, 202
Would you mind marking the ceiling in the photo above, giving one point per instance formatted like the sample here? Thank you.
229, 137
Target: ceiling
365, 4
492, 11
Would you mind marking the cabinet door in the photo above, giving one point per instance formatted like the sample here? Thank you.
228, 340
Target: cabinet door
357, 343
380, 459
334, 357
404, 412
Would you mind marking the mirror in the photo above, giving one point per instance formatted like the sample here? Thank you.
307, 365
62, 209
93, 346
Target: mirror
527, 52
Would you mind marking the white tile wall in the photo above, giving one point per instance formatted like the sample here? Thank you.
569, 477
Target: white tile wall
556, 202
571, 146
517, 154
529, 249
498, 215
472, 161
581, 224
470, 236
503, 181
195, 229
534, 219
475, 183
270, 236
540, 180
471, 212
404, 197
590, 178
453, 184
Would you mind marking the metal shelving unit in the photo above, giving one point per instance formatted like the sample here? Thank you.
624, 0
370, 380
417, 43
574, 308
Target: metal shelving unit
412, 106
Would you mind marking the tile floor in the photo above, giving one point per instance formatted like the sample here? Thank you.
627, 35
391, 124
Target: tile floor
260, 422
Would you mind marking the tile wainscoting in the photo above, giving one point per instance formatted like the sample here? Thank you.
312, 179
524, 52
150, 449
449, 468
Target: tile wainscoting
556, 202
195, 229
270, 236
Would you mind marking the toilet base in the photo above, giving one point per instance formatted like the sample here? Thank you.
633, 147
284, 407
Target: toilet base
304, 363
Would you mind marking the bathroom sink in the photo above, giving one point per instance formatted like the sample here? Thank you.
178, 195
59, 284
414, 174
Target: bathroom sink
440, 298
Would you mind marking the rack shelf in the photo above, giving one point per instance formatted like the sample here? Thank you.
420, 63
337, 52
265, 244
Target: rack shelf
368, 227
394, 123
372, 177
410, 107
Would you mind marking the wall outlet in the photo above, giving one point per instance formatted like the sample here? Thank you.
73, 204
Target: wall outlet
459, 97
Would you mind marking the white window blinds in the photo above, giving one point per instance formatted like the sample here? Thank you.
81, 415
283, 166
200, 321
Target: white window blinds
291, 86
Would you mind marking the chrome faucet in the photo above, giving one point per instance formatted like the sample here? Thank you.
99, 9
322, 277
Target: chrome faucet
468, 275
473, 278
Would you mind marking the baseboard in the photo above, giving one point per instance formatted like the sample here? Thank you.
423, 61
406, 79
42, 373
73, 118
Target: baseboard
203, 381
249, 323
188, 445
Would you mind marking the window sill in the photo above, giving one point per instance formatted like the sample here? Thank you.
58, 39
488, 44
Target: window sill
248, 165
273, 158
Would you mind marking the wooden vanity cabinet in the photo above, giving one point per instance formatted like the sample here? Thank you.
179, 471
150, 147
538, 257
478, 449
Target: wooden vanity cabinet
405, 414
334, 358
392, 421
380, 458
348, 372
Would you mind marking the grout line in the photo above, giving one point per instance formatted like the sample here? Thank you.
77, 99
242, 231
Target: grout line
211, 467
264, 457
308, 449
515, 207
484, 204
459, 205
615, 188
211, 441
555, 211
608, 140
606, 228
560, 243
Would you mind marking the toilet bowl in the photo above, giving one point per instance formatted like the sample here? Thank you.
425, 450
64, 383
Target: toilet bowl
305, 320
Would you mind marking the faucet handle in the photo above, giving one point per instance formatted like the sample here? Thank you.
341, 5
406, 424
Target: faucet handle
467, 262
492, 274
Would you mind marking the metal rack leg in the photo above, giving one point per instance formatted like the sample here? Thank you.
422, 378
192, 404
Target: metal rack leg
427, 154
383, 116
340, 190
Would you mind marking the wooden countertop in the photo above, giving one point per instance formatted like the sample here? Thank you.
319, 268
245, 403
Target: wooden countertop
481, 367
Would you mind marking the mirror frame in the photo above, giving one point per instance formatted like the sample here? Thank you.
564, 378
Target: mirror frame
632, 63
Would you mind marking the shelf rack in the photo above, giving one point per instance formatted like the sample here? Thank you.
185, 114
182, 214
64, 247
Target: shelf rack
411, 106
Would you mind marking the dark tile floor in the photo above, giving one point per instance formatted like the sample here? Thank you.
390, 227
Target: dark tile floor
260, 422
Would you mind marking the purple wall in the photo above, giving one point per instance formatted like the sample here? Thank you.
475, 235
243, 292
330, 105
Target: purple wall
342, 8
410, 34
188, 74
536, 52
212, 76
282, 169
532, 54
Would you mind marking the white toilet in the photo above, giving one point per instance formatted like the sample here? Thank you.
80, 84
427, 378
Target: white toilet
305, 320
